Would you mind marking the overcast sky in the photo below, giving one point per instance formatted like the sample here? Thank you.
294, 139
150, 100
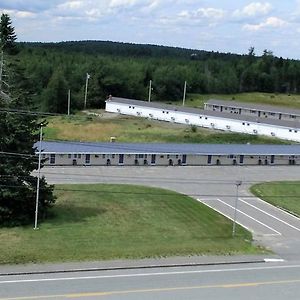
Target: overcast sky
218, 25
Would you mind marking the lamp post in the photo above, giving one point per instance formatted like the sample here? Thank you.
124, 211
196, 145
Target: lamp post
88, 76
38, 181
237, 184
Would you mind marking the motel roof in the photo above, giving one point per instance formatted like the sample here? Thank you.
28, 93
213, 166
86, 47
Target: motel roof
61, 147
257, 107
202, 112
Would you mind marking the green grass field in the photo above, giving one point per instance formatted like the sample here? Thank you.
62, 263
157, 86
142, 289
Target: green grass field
100, 222
285, 100
285, 194
140, 130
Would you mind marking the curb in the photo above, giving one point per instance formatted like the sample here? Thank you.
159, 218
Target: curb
132, 267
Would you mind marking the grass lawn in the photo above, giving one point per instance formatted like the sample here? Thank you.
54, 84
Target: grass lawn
99, 222
140, 130
284, 194
291, 101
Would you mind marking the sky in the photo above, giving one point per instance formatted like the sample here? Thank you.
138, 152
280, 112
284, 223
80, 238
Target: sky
213, 25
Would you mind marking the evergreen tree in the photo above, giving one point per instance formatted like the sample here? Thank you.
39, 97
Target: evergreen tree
18, 133
7, 35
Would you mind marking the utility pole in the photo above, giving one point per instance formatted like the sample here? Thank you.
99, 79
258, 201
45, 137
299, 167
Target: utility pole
184, 94
38, 181
237, 184
150, 90
69, 101
1, 69
88, 76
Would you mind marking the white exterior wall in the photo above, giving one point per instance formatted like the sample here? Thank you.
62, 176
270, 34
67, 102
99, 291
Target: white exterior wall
206, 121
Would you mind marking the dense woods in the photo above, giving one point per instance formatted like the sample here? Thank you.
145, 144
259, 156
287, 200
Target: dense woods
125, 70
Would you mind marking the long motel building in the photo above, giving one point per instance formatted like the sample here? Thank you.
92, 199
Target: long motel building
152, 154
287, 128
253, 110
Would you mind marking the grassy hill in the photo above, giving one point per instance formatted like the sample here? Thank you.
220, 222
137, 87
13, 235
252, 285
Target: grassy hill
81, 127
98, 222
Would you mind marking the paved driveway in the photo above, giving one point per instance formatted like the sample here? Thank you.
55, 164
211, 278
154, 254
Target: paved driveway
214, 186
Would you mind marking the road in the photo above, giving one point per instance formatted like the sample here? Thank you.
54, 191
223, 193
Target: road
216, 187
247, 282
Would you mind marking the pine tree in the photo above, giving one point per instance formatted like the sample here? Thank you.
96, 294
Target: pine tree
18, 133
7, 35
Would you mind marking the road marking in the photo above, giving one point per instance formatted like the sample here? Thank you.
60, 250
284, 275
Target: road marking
220, 212
156, 290
248, 216
270, 215
277, 208
149, 274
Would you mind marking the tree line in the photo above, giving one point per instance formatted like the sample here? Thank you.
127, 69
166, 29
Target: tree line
124, 70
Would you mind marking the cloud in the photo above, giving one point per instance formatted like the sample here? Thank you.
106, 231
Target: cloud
208, 16
253, 9
18, 14
271, 22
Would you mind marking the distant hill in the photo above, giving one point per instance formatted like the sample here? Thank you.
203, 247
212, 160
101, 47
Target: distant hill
130, 49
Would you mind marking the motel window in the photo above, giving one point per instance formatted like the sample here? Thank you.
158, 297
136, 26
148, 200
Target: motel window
69, 155
168, 156
103, 155
79, 155
141, 156
162, 156
113, 156
176, 156
253, 111
145, 156
96, 156
75, 155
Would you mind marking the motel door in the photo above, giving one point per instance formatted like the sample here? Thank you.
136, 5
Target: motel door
121, 159
184, 159
153, 159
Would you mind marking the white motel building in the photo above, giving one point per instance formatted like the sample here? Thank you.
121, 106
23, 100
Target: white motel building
284, 128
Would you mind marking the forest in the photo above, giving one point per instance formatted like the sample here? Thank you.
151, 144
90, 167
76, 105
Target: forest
125, 70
